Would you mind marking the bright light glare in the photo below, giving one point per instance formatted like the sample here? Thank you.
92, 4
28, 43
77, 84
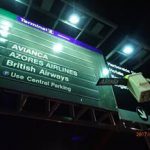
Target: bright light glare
105, 71
4, 33
2, 40
57, 47
5, 28
18, 1
128, 49
74, 19
6, 24
134, 128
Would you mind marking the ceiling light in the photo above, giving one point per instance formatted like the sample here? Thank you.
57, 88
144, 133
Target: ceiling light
128, 49
74, 19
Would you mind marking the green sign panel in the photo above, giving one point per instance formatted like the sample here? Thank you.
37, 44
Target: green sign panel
38, 60
128, 107
139, 116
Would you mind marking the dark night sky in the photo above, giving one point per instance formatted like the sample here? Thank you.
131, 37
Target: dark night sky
22, 134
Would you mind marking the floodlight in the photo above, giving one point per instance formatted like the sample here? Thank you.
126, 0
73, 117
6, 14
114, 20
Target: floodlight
74, 19
57, 47
128, 49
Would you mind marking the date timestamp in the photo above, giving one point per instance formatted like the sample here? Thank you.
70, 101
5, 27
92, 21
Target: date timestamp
143, 134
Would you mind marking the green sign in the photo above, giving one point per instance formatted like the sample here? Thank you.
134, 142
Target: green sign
142, 113
38, 60
128, 107
138, 116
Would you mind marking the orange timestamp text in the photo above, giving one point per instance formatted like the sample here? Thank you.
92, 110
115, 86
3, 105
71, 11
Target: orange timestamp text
143, 134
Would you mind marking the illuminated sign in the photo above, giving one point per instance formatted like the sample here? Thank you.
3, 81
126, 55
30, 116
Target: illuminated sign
128, 107
119, 72
37, 60
55, 33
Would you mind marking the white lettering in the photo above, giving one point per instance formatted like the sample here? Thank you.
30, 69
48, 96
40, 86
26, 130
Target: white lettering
29, 51
116, 72
20, 66
34, 25
62, 87
37, 81
45, 72
26, 58
17, 76
118, 67
61, 69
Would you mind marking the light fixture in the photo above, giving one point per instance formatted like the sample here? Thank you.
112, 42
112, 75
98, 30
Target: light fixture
128, 49
105, 71
57, 47
74, 19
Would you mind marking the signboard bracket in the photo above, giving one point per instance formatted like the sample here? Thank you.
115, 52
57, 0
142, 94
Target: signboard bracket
71, 117
81, 112
103, 117
22, 102
72, 111
112, 119
53, 109
93, 116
